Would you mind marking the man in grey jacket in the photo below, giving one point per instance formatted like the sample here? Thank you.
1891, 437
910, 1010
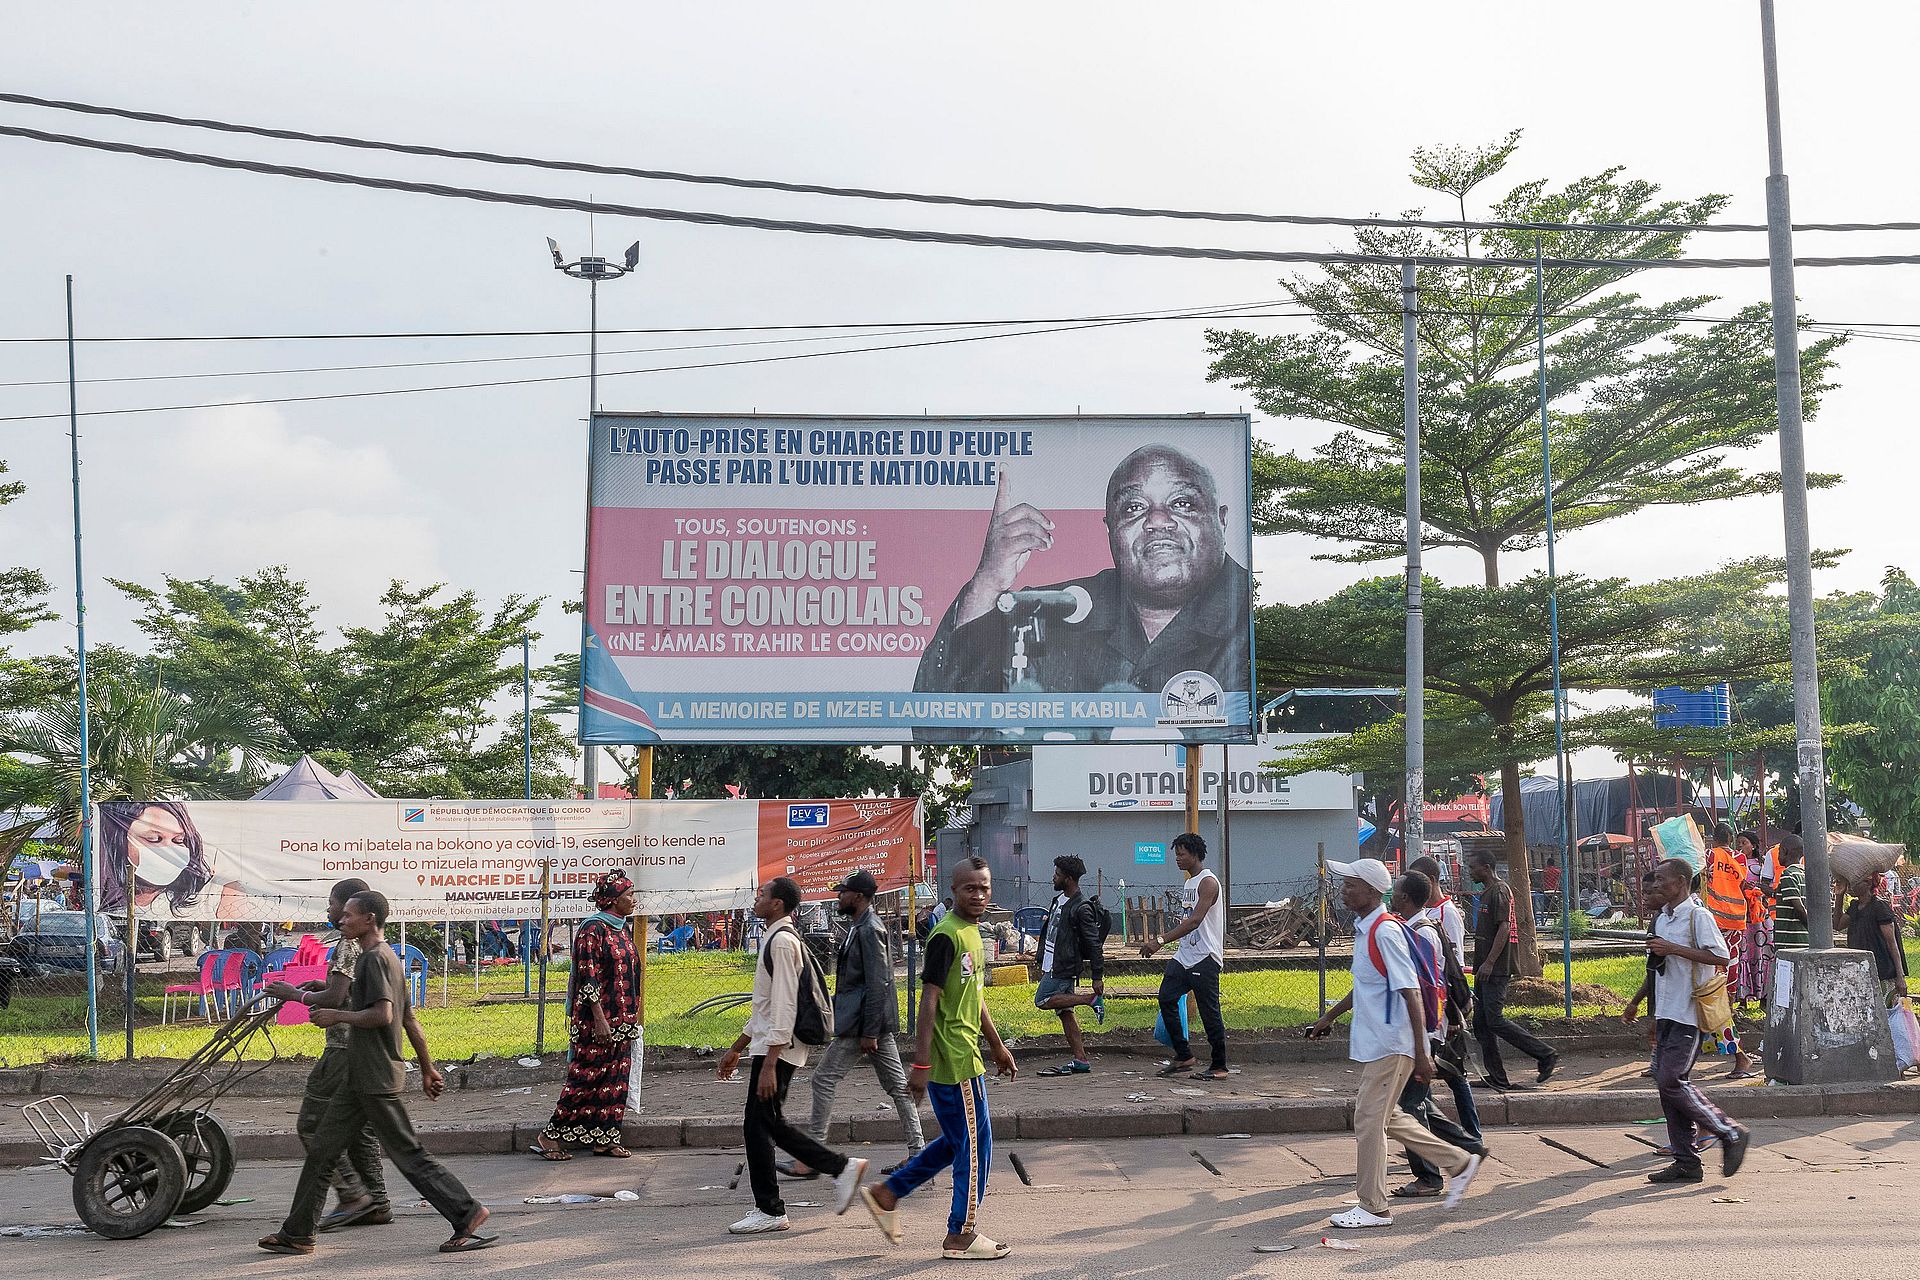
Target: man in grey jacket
866, 1018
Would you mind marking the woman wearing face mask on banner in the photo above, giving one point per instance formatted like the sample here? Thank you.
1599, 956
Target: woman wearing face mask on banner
154, 847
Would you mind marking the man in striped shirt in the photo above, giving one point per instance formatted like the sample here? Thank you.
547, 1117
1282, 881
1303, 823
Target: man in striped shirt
1790, 896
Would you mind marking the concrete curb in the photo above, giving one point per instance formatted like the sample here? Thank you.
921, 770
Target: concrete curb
1200, 1119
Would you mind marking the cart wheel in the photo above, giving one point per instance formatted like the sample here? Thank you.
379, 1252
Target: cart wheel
208, 1150
128, 1181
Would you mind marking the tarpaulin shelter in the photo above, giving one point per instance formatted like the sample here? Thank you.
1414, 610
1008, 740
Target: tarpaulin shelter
1599, 804
308, 779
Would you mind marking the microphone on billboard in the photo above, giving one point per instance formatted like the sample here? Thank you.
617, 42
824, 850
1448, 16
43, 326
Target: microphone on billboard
1069, 604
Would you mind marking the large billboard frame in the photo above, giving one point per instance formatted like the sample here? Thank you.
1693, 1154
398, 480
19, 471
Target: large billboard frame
1233, 730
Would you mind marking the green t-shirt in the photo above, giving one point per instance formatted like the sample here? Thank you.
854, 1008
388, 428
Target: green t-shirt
957, 964
374, 1061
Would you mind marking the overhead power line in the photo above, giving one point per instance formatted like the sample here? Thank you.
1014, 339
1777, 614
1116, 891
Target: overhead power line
869, 193
911, 235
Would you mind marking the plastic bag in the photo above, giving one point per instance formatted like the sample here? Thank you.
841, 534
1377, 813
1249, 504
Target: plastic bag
1160, 1026
1906, 1034
633, 1071
1680, 838
1851, 858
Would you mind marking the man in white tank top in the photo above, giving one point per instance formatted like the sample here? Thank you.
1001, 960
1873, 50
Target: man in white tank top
1195, 966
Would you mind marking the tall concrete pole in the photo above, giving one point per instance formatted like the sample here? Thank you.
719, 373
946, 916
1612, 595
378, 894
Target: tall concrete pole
1793, 502
1415, 824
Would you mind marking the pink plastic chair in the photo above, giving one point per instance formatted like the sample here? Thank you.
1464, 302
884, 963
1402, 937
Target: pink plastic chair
230, 985
209, 966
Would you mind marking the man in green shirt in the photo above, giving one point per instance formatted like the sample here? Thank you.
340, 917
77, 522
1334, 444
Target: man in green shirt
947, 1067
1790, 896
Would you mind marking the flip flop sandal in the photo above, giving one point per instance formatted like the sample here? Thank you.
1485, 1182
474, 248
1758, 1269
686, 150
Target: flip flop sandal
469, 1244
614, 1152
555, 1154
350, 1217
981, 1250
1067, 1069
1738, 1075
277, 1243
1212, 1075
788, 1169
1175, 1069
1417, 1191
888, 1220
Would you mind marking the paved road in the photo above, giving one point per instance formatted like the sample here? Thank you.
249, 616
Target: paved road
1815, 1198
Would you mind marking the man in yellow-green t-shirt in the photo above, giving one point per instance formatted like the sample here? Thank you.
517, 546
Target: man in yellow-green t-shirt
947, 1067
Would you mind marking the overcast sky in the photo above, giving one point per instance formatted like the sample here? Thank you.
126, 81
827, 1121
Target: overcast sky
1261, 106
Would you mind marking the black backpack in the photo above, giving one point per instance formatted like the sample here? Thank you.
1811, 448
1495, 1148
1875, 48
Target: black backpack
812, 1010
1102, 918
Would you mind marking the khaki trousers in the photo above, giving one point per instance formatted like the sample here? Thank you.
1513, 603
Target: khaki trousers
1377, 1117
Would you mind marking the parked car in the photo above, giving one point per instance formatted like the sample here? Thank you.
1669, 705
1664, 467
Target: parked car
55, 942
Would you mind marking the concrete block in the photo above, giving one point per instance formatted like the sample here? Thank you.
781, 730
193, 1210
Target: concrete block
20, 1153
882, 1127
712, 1131
1097, 1122
1269, 1115
1870, 1100
1832, 1029
469, 1140
268, 1146
650, 1135
1783, 1103
1533, 1110
21, 1082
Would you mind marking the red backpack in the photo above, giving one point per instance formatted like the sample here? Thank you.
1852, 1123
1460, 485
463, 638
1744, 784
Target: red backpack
1427, 969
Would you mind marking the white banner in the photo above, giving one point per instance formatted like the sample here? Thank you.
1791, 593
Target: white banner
234, 860
1071, 779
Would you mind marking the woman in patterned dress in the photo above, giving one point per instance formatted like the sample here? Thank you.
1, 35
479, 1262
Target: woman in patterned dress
603, 1026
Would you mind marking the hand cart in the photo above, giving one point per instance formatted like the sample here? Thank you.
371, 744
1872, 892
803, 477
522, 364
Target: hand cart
166, 1154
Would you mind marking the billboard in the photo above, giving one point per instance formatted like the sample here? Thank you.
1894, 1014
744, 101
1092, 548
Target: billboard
235, 860
1076, 779
802, 579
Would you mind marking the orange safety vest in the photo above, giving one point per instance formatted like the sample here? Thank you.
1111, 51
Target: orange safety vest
1726, 893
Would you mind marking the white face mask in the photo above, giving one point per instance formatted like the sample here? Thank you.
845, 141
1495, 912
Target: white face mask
162, 863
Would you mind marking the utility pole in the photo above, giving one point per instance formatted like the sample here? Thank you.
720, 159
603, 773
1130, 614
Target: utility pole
89, 881
593, 270
1793, 502
1562, 773
1414, 824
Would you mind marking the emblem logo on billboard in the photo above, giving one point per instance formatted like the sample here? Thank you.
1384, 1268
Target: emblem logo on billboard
1192, 698
414, 814
806, 815
1121, 804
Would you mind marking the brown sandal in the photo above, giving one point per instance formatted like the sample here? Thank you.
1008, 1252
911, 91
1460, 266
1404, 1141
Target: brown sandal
278, 1243
614, 1152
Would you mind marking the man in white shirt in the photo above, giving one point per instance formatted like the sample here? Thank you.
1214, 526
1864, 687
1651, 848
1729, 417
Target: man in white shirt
1687, 948
1196, 964
1450, 1051
1415, 899
1388, 1040
774, 1053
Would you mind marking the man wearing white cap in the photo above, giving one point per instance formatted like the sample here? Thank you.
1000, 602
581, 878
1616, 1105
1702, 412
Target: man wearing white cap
1387, 1039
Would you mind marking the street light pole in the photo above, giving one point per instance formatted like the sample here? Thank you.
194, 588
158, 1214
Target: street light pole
1793, 501
593, 270
89, 885
1414, 823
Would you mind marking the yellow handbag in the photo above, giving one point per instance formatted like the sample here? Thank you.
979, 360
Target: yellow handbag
1713, 1009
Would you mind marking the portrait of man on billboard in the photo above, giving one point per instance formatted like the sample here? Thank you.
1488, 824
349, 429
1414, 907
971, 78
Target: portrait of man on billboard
1169, 618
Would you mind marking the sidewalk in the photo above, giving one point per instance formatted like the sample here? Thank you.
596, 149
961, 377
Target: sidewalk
495, 1106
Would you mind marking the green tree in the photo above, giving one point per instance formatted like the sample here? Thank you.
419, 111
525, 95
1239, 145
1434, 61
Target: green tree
406, 704
1647, 412
1879, 767
22, 604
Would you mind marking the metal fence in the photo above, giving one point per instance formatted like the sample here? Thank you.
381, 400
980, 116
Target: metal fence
478, 988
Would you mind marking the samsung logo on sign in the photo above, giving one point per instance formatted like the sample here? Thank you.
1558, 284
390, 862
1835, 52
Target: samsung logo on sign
806, 815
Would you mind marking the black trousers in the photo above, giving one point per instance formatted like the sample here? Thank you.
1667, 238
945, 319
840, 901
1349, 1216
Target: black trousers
1687, 1110
348, 1116
1203, 980
1417, 1101
1491, 1025
356, 1174
766, 1128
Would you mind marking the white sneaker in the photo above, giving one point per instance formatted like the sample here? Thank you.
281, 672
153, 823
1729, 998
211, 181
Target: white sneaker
1457, 1185
758, 1223
846, 1184
1356, 1218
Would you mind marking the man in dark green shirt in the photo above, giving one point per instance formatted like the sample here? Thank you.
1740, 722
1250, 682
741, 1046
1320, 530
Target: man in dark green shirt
377, 1012
1790, 896
1494, 936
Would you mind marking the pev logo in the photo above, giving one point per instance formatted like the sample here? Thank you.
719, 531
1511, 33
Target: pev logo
806, 815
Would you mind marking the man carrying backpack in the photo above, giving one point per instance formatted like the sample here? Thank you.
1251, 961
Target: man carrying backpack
1075, 933
1413, 894
784, 1020
1395, 1007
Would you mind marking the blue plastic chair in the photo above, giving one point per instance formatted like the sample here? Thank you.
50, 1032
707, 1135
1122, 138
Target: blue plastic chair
253, 969
1029, 922
679, 940
280, 959
413, 963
